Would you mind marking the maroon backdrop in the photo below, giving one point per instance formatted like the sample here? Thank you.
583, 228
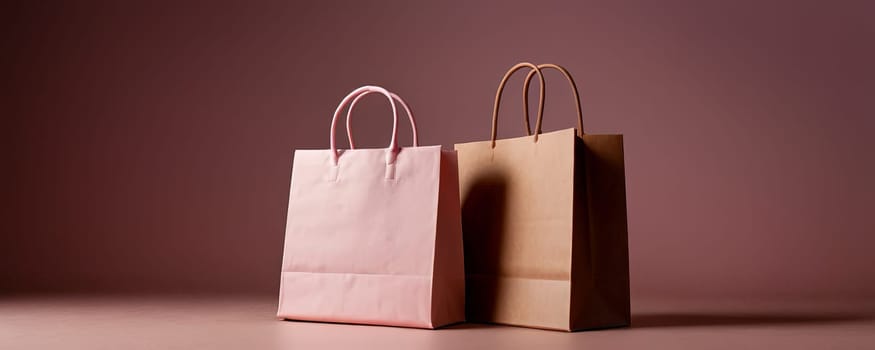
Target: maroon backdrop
148, 144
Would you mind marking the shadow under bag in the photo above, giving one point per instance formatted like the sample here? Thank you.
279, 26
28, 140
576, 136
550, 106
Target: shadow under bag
374, 235
544, 225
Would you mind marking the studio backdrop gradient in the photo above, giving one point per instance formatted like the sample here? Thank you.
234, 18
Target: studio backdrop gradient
147, 146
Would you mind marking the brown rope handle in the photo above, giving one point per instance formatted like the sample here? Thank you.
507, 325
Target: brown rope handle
541, 114
518, 66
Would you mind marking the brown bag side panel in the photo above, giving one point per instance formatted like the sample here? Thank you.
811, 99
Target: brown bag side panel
600, 272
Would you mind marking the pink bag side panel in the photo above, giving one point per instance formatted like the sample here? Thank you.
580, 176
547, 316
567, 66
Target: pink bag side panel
360, 237
448, 289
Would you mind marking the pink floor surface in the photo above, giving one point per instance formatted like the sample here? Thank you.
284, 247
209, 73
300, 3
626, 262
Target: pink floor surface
53, 322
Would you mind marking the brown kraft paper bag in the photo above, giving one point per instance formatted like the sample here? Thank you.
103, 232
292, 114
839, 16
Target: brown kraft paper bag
544, 225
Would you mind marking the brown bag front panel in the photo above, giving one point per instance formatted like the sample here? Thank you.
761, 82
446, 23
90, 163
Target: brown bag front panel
517, 223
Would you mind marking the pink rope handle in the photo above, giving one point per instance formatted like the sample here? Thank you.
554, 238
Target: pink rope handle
398, 99
392, 151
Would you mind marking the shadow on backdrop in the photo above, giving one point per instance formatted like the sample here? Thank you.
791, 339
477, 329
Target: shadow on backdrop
692, 319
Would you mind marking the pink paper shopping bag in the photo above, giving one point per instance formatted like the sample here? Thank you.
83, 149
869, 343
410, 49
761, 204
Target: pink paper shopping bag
374, 235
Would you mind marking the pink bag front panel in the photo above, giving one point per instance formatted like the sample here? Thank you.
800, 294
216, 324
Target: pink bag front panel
360, 237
